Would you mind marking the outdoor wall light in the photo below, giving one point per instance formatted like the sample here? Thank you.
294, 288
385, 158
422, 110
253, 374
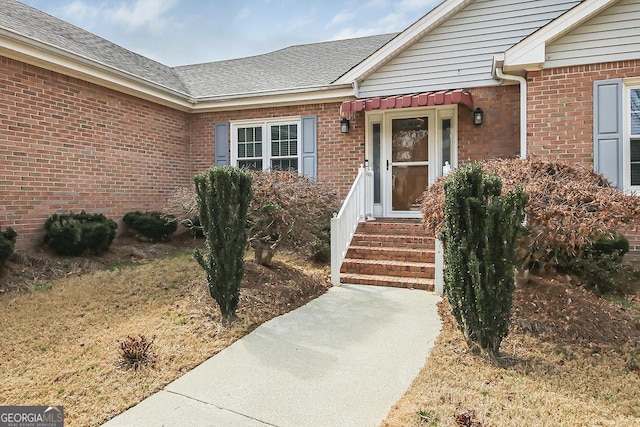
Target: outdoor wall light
477, 116
344, 125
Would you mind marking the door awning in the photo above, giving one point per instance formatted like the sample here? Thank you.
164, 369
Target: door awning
426, 99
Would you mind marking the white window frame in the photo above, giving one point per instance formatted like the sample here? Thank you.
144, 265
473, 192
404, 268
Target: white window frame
634, 84
266, 124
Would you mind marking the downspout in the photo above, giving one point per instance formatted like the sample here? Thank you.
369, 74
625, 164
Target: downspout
523, 108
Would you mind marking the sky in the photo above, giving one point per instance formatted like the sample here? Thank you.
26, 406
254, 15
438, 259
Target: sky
181, 32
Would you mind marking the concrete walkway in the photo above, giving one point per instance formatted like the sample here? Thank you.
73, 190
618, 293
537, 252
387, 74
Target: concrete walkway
342, 360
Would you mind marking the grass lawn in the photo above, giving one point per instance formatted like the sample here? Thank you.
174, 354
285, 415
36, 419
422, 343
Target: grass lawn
59, 340
571, 359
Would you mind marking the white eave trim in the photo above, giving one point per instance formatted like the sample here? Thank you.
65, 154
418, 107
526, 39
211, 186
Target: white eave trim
399, 43
25, 49
273, 99
530, 53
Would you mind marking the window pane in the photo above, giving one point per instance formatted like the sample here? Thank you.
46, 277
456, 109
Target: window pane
250, 152
635, 111
275, 132
635, 161
376, 163
446, 141
258, 152
250, 164
635, 150
293, 132
284, 148
258, 134
242, 152
275, 148
284, 164
242, 135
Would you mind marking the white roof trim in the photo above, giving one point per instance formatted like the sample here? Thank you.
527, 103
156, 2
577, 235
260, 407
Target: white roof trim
24, 49
530, 53
274, 100
399, 43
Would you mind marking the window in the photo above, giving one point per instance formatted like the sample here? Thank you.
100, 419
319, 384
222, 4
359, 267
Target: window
266, 144
634, 136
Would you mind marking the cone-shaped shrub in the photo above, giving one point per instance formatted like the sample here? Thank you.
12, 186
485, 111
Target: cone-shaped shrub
223, 195
7, 244
479, 236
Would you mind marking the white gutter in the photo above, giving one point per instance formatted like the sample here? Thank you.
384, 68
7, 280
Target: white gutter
523, 108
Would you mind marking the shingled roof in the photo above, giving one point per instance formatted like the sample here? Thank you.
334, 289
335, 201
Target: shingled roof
295, 67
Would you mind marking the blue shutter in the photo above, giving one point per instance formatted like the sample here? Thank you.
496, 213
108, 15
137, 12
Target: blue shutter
221, 136
310, 147
607, 130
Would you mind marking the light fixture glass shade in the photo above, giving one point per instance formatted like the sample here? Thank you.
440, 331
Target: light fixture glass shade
477, 116
344, 125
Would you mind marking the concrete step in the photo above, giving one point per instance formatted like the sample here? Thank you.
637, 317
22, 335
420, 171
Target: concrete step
422, 270
391, 254
396, 282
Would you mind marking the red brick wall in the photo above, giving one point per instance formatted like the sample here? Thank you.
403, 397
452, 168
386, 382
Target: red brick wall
499, 134
560, 117
560, 113
339, 155
68, 145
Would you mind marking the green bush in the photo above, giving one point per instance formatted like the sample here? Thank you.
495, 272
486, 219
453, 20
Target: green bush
479, 237
321, 245
223, 196
76, 233
602, 268
7, 244
151, 226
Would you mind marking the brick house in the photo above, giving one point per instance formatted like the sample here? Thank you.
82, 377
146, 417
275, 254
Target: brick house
86, 124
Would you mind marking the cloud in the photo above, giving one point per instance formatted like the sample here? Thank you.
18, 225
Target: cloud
351, 33
418, 5
243, 13
132, 15
142, 14
341, 17
81, 11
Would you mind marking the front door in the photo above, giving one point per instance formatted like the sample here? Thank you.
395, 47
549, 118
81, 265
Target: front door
409, 150
407, 165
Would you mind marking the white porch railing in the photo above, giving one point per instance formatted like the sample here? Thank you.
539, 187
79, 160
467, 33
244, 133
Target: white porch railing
356, 208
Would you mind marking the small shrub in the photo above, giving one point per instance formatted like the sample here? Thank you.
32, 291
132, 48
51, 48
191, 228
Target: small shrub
288, 211
136, 352
7, 244
76, 233
321, 245
151, 226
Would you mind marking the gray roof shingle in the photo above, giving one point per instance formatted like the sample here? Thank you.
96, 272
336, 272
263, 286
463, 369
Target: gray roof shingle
293, 67
289, 68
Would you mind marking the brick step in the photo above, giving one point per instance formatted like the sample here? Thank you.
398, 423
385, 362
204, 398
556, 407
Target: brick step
422, 270
391, 228
391, 254
396, 282
397, 241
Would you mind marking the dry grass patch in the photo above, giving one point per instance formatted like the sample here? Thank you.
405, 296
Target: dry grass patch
572, 359
59, 342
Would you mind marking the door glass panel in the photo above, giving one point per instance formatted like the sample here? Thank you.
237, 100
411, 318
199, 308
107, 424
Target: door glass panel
410, 140
376, 163
446, 145
409, 162
408, 184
